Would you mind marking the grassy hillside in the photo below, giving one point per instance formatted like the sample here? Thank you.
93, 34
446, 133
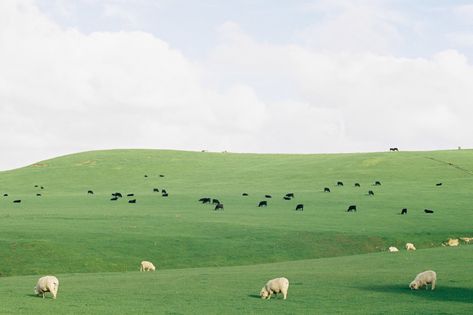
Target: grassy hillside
66, 230
360, 284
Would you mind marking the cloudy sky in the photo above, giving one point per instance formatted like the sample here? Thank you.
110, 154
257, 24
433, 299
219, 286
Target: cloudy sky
302, 76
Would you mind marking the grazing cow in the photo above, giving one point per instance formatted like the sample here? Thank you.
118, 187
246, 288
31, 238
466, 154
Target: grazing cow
42, 187
164, 194
357, 184
17, 201
38, 195
244, 194
161, 175
114, 198
428, 211
263, 203
339, 183
404, 211
90, 192
286, 198
130, 195
5, 195
377, 183
300, 207
146, 175
438, 184
393, 249
424, 278
219, 206
163, 191
47, 284
132, 201
393, 149
147, 266
278, 285
268, 196
215, 201
36, 185
117, 194
410, 246
351, 208
290, 195
155, 190
204, 200
370, 193
326, 189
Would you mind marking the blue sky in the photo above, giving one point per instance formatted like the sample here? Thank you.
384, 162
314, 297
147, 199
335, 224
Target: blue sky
243, 76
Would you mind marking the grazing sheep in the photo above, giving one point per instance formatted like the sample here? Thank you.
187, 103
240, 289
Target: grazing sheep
147, 266
424, 278
453, 242
47, 284
466, 239
410, 246
393, 249
326, 189
278, 285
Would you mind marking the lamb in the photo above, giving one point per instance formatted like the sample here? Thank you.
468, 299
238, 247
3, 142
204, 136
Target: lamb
410, 246
47, 284
424, 278
277, 285
466, 239
453, 242
393, 249
147, 266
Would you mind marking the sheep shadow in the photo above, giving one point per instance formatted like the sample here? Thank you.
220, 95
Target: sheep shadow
255, 296
441, 293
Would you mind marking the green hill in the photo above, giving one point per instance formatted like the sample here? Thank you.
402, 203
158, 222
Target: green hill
68, 231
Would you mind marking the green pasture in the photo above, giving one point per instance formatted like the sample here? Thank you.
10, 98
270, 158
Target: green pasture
333, 259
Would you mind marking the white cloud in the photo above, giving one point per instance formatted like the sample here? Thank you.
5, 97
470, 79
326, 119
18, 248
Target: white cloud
64, 91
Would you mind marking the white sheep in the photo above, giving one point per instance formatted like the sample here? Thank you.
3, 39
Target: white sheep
278, 285
410, 246
424, 278
47, 284
453, 242
147, 266
393, 249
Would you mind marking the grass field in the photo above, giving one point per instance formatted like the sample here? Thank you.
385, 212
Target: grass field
215, 262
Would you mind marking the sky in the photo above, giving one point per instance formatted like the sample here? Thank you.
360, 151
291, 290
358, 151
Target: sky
265, 76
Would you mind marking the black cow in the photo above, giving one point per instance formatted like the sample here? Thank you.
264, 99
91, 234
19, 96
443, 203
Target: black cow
117, 194
377, 183
5, 195
244, 194
114, 198
130, 195
155, 190
165, 194
393, 149
42, 187
17, 201
326, 189
351, 208
357, 185
339, 183
215, 201
204, 200
146, 175
290, 195
263, 203
268, 196
219, 206
38, 195
36, 185
163, 191
300, 207
161, 175
438, 184
404, 211
370, 193
428, 211
286, 198
90, 192
132, 201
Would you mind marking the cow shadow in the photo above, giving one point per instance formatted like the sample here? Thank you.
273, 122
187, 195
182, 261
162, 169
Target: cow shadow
452, 294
